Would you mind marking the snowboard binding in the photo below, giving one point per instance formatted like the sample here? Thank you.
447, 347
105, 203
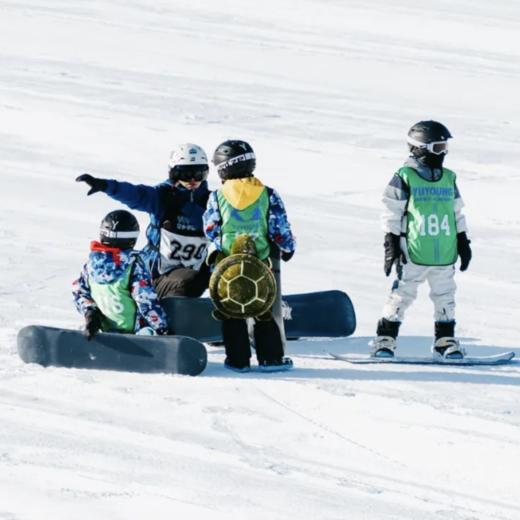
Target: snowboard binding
448, 348
383, 347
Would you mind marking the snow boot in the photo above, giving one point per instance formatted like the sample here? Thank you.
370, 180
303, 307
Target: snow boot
384, 344
268, 341
240, 369
445, 345
279, 365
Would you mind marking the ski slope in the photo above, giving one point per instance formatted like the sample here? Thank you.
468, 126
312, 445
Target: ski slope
325, 91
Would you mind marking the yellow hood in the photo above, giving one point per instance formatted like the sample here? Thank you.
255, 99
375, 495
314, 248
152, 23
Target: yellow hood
241, 193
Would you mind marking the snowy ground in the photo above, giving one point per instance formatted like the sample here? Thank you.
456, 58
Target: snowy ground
325, 92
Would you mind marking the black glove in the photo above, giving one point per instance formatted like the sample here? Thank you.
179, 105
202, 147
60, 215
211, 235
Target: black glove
92, 322
287, 255
393, 252
95, 184
463, 250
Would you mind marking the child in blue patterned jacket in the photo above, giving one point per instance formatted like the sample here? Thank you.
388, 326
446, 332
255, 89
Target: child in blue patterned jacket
114, 292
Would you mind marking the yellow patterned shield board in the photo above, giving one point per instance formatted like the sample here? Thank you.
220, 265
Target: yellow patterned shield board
242, 286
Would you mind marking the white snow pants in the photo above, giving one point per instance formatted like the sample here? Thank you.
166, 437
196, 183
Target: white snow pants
404, 291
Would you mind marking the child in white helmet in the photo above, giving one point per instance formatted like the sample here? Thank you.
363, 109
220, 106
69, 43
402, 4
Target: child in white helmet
177, 246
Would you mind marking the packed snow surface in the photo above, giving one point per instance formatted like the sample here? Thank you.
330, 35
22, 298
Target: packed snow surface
325, 91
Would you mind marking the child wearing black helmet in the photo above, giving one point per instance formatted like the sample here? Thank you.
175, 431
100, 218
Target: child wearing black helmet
243, 205
114, 291
425, 233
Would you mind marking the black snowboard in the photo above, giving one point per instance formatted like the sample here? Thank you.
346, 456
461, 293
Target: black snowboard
49, 346
318, 314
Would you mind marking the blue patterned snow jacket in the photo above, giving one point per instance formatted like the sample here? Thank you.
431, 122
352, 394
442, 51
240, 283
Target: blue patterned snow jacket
108, 265
183, 208
279, 229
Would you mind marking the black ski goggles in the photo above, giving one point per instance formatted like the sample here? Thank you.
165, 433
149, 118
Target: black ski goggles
189, 172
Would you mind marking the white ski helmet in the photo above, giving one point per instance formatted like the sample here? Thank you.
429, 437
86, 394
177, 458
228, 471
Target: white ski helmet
188, 161
188, 154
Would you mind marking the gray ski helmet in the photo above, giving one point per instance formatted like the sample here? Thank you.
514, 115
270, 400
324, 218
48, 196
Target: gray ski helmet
119, 229
234, 159
423, 134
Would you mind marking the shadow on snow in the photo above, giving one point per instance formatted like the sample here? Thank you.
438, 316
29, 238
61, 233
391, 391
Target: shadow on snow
307, 350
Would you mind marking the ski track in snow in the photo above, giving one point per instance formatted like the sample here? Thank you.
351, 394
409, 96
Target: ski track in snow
325, 92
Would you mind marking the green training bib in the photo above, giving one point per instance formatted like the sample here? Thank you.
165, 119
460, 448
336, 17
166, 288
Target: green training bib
250, 221
431, 232
116, 303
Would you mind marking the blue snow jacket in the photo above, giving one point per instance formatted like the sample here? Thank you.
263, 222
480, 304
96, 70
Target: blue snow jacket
108, 266
177, 207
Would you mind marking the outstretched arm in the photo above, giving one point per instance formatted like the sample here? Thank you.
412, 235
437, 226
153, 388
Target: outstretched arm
136, 196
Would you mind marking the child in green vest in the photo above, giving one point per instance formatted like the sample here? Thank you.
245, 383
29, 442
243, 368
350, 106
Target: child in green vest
245, 206
425, 233
114, 292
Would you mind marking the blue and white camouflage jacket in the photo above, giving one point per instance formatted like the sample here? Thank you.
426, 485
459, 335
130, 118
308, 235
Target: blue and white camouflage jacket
107, 265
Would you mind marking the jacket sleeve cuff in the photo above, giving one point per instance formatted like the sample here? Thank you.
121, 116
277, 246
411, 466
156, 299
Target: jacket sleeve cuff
111, 188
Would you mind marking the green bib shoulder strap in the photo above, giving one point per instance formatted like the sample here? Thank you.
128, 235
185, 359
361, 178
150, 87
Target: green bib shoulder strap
406, 171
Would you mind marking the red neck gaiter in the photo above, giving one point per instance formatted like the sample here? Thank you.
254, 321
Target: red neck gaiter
96, 246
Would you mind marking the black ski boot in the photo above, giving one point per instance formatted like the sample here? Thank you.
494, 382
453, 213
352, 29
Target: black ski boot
445, 345
384, 344
269, 347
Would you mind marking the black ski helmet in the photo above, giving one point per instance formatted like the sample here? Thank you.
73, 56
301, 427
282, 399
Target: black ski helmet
428, 142
425, 132
234, 159
119, 229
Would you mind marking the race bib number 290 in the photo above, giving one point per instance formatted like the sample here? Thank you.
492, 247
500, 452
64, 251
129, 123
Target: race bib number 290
181, 251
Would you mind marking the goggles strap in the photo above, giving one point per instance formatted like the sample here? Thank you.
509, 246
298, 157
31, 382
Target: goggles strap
119, 234
234, 160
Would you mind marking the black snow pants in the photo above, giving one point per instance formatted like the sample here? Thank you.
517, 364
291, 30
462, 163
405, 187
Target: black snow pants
182, 282
267, 338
